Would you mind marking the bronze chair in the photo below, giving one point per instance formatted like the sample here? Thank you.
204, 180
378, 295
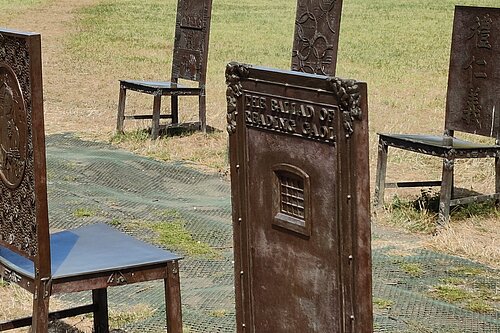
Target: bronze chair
316, 38
190, 57
472, 106
86, 258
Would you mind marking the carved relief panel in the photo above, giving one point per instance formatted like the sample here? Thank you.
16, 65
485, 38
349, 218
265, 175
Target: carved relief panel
316, 37
474, 75
12, 129
191, 38
17, 185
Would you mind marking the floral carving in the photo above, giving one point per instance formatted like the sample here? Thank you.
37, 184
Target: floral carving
18, 225
234, 73
316, 36
349, 99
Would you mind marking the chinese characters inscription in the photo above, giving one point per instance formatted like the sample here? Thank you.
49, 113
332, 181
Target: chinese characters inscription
477, 68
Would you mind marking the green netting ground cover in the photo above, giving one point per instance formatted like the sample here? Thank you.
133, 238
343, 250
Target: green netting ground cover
89, 182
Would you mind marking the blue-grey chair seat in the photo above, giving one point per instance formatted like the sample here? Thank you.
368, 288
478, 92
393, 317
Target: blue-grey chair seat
91, 249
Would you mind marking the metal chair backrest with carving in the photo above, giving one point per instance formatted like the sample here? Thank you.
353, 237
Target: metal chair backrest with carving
190, 57
472, 106
85, 258
316, 39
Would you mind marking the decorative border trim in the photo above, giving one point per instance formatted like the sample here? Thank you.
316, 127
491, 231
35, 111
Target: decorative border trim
349, 98
235, 72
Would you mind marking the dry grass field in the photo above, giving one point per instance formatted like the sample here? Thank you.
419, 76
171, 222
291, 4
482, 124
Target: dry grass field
400, 48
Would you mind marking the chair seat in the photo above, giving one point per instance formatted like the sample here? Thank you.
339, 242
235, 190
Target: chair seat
91, 249
435, 144
164, 86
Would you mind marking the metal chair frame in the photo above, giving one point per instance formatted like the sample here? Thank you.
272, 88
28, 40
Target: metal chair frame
85, 258
472, 100
190, 57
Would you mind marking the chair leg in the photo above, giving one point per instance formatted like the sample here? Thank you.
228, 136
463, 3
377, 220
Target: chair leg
497, 178
381, 173
155, 128
173, 298
446, 189
174, 108
121, 110
100, 302
203, 112
40, 320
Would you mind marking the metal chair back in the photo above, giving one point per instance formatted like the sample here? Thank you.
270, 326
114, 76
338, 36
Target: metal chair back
192, 30
474, 76
316, 38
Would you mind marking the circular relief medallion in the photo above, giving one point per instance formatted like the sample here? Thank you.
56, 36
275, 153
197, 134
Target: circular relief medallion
13, 129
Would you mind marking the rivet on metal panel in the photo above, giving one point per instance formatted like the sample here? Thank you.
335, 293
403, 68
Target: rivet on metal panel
352, 317
240, 219
243, 325
241, 272
349, 197
237, 166
347, 136
351, 257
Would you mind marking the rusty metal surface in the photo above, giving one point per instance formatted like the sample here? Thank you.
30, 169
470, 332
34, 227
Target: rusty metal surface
474, 74
20, 105
191, 40
299, 178
316, 38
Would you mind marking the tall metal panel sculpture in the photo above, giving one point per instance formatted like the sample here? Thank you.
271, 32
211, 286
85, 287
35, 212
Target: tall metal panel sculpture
316, 39
300, 183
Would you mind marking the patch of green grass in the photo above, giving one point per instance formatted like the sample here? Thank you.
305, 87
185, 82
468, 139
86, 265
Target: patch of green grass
83, 212
463, 293
19, 5
115, 222
3, 283
454, 281
70, 178
412, 215
467, 271
412, 269
218, 313
136, 136
170, 214
382, 303
480, 306
475, 209
420, 214
174, 235
119, 319
452, 294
